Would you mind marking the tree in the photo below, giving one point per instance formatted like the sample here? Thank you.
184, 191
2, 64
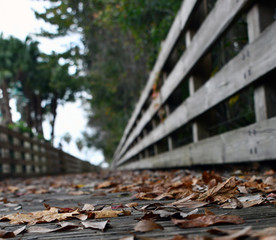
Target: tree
38, 82
121, 40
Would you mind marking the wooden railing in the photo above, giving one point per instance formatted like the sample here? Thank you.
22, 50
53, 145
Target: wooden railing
21, 155
214, 101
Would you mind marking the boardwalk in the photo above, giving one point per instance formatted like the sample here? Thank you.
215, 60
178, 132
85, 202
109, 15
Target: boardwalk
126, 192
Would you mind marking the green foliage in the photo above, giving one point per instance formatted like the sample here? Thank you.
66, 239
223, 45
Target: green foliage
121, 40
37, 81
21, 126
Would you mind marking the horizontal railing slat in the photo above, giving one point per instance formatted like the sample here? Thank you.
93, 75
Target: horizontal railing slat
255, 142
255, 60
216, 22
166, 48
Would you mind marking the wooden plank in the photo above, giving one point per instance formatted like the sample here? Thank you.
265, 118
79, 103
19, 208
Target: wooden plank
252, 143
216, 22
254, 30
174, 32
255, 60
175, 158
258, 18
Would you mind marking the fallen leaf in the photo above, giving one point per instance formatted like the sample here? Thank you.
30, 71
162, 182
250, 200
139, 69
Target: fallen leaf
133, 204
207, 177
242, 189
128, 238
269, 172
38, 217
205, 221
190, 204
13, 189
231, 234
105, 184
270, 231
222, 192
179, 237
64, 227
120, 206
78, 193
96, 225
88, 207
208, 212
150, 238
184, 215
232, 203
251, 200
152, 206
110, 213
19, 230
6, 234
147, 226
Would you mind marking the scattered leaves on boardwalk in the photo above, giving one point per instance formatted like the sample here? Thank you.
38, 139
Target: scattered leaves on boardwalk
183, 198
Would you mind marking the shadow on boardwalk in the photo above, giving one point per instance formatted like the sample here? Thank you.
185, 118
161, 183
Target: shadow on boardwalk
176, 204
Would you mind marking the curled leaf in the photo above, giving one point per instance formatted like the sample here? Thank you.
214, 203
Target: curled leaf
147, 226
209, 220
96, 225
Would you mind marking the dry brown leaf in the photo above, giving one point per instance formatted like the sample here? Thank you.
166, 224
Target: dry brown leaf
19, 230
110, 213
13, 189
78, 193
269, 172
132, 204
179, 237
38, 217
164, 196
64, 227
128, 238
268, 238
205, 221
208, 212
6, 234
147, 226
184, 200
251, 200
150, 238
106, 184
221, 192
231, 234
82, 217
96, 225
88, 207
233, 203
209, 176
191, 204
270, 231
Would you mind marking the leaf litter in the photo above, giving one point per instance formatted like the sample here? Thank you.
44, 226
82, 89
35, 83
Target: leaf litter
186, 191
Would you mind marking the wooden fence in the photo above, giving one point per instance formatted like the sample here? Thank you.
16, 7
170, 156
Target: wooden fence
21, 155
211, 96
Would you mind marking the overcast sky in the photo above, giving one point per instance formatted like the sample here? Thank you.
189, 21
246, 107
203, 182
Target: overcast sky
17, 19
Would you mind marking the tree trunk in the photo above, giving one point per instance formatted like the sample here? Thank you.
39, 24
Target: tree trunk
38, 114
5, 106
54, 114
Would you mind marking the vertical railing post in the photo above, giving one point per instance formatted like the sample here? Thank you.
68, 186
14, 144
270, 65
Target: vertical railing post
260, 16
195, 82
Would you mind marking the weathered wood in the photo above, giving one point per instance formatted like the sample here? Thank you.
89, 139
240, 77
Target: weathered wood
254, 61
166, 48
257, 20
216, 22
22, 155
259, 217
251, 143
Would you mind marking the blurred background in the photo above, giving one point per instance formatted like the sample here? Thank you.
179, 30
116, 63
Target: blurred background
71, 71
